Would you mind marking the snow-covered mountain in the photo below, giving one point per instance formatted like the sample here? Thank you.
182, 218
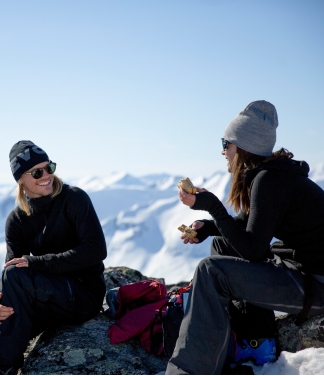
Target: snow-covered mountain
140, 217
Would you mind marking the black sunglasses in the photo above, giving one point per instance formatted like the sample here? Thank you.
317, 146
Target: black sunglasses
38, 172
225, 144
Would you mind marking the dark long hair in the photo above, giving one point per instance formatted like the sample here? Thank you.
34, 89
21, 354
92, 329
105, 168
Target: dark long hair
239, 195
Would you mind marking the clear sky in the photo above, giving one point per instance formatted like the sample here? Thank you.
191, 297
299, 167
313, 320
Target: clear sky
148, 86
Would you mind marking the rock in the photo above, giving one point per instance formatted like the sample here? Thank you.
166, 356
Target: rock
121, 275
294, 338
86, 348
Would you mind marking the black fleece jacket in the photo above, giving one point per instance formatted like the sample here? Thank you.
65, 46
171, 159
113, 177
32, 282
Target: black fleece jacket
63, 235
285, 204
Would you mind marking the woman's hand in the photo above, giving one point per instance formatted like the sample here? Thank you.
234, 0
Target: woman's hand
195, 226
5, 312
187, 198
19, 262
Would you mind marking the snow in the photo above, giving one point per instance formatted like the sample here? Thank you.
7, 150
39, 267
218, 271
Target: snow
140, 217
304, 362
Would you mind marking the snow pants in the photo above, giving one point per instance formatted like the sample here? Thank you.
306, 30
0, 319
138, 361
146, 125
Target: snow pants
39, 301
205, 330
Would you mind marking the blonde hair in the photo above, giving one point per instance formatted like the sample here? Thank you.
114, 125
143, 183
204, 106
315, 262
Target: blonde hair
239, 195
22, 201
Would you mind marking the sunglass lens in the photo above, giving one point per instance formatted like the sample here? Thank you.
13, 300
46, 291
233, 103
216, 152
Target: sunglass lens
50, 168
224, 144
37, 173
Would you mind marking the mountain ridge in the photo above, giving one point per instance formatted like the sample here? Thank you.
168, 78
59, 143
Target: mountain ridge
140, 217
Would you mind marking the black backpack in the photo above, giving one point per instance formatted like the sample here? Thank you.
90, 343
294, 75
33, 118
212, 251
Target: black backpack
172, 317
248, 321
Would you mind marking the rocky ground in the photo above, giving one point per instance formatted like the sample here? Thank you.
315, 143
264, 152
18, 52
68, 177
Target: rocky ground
86, 349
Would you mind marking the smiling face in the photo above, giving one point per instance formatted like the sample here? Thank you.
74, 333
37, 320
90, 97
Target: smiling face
229, 155
35, 188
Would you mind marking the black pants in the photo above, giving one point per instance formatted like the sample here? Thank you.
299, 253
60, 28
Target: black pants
204, 334
39, 301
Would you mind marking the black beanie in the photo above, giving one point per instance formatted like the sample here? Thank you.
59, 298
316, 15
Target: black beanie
25, 155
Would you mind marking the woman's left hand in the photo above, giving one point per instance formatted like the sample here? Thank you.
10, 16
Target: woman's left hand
19, 262
187, 198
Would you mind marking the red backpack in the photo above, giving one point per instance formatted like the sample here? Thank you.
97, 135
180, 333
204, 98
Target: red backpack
139, 305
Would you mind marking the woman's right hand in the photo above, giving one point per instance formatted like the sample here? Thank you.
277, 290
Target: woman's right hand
5, 312
187, 198
195, 226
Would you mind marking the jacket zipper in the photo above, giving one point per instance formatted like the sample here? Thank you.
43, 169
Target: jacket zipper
70, 290
244, 307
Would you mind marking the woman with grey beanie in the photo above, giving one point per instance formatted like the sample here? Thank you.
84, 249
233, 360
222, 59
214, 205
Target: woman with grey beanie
274, 198
55, 246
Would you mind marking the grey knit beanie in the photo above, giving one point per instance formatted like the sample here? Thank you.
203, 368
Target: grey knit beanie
254, 128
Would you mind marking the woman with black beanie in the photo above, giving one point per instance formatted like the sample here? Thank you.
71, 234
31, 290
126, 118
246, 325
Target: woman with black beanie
274, 199
55, 250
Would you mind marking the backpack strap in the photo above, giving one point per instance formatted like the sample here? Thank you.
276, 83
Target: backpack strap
309, 298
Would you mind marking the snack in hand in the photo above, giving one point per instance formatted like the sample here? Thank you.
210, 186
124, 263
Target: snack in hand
187, 186
187, 231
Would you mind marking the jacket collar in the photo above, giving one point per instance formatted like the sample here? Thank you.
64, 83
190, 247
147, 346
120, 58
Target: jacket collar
40, 205
284, 164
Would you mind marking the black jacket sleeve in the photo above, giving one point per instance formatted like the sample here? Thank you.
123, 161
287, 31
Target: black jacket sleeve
91, 247
210, 229
267, 208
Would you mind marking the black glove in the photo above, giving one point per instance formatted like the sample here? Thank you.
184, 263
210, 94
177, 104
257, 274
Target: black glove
207, 201
208, 229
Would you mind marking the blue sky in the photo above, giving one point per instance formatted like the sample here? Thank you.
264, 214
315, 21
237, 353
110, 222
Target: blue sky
148, 86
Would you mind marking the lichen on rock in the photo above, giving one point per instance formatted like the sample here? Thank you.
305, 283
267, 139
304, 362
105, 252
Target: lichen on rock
294, 338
